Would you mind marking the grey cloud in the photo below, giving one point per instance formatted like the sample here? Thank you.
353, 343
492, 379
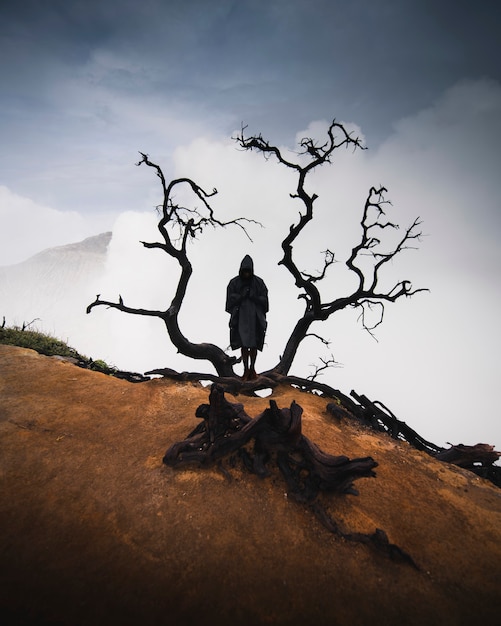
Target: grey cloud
85, 84
377, 60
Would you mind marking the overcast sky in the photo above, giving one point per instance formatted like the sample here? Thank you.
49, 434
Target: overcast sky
86, 84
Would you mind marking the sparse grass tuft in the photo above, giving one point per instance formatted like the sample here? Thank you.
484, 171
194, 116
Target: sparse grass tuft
49, 346
41, 342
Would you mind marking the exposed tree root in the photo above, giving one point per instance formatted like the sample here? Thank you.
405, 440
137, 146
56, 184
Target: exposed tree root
479, 458
378, 539
274, 439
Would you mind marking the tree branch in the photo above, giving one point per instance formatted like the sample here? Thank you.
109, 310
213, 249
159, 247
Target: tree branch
120, 306
328, 261
178, 225
373, 224
326, 364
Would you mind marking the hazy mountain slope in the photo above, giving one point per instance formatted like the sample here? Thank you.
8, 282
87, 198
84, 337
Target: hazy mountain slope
95, 530
46, 282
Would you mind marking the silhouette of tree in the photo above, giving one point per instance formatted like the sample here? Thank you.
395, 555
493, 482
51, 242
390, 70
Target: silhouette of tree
180, 224
177, 226
366, 295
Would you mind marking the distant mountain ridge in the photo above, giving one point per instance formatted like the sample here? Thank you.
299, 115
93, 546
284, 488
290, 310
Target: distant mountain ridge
46, 284
97, 245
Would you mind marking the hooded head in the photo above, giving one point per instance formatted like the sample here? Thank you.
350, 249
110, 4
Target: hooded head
246, 267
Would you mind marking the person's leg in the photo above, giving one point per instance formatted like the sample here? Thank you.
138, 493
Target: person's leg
245, 360
252, 370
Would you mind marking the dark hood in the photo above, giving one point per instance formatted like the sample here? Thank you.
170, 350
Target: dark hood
247, 264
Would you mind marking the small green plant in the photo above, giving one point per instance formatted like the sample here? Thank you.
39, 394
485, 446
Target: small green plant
49, 346
41, 342
101, 366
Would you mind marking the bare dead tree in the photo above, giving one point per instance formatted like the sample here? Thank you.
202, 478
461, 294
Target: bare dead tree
177, 226
367, 296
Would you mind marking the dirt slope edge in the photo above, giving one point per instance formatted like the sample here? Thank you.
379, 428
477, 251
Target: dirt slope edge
94, 530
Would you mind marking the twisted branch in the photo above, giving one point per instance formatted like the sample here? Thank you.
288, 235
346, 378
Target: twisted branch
177, 226
373, 223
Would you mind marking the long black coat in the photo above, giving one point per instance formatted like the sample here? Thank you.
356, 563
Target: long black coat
247, 303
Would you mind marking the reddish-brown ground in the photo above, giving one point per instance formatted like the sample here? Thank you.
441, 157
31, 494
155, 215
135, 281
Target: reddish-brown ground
95, 530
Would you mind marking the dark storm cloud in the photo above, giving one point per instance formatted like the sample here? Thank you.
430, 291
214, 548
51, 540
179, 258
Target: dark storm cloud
278, 64
85, 84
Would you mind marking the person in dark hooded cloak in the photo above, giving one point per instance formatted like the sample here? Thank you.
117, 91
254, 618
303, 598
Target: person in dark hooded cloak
247, 304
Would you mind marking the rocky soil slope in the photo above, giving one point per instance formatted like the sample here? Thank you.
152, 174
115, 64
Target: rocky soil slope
95, 530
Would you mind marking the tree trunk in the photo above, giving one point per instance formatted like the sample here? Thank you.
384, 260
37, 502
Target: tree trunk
297, 336
222, 362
